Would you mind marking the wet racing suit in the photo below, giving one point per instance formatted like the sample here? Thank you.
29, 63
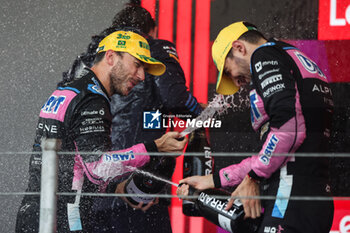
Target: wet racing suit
167, 93
291, 108
78, 113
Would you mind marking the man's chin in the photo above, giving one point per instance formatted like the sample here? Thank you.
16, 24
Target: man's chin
121, 92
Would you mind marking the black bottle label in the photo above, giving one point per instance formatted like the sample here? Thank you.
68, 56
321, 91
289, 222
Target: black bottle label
196, 165
132, 188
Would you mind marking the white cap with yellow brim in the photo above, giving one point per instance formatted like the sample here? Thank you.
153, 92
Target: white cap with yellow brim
134, 44
220, 49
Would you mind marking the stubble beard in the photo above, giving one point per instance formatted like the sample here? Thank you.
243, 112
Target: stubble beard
245, 69
117, 77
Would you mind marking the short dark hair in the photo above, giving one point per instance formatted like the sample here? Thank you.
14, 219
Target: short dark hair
101, 55
134, 16
252, 36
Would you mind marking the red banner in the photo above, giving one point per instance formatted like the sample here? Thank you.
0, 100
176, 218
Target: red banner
334, 20
341, 221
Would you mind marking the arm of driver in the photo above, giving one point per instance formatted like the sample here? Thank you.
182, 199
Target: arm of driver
197, 182
169, 143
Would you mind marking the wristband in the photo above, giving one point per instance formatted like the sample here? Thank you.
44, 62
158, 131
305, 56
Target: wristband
253, 177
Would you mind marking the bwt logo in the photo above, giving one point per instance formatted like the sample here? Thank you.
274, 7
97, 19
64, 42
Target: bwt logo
269, 149
334, 20
151, 120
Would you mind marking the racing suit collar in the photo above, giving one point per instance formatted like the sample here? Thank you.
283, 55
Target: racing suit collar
99, 82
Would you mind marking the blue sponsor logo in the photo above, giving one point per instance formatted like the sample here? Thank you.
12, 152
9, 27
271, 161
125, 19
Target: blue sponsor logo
125, 156
269, 149
309, 65
53, 104
151, 120
254, 110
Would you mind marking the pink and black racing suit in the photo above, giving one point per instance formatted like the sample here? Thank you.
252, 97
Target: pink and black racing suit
78, 113
291, 109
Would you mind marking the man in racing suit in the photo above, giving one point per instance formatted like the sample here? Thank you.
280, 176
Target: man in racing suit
78, 113
167, 93
291, 109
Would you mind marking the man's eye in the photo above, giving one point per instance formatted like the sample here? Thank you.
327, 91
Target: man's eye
226, 73
138, 65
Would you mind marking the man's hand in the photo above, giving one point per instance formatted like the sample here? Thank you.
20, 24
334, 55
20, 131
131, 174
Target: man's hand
197, 182
120, 189
252, 207
169, 143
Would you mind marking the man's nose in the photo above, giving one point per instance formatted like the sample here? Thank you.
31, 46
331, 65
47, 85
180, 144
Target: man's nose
141, 74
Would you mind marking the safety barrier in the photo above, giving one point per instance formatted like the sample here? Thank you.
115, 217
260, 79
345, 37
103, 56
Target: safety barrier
48, 194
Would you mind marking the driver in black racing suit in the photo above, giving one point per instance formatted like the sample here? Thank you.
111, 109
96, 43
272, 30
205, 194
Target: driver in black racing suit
78, 113
167, 93
291, 109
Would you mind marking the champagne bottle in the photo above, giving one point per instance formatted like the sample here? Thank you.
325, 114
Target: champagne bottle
209, 204
196, 165
144, 181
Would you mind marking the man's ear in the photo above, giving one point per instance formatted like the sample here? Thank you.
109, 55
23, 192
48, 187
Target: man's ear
110, 57
239, 47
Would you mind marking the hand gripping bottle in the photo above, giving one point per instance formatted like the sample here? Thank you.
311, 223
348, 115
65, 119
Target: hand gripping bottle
198, 165
143, 181
211, 205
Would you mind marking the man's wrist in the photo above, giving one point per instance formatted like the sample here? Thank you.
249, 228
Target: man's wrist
151, 146
254, 177
216, 179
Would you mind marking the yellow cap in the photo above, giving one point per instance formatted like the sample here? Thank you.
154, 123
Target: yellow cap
135, 45
220, 49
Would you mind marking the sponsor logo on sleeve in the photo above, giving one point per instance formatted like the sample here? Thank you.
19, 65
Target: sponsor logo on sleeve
92, 121
255, 114
268, 72
274, 89
322, 88
115, 157
92, 129
269, 149
309, 65
258, 66
270, 63
51, 128
53, 104
93, 112
270, 80
226, 176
